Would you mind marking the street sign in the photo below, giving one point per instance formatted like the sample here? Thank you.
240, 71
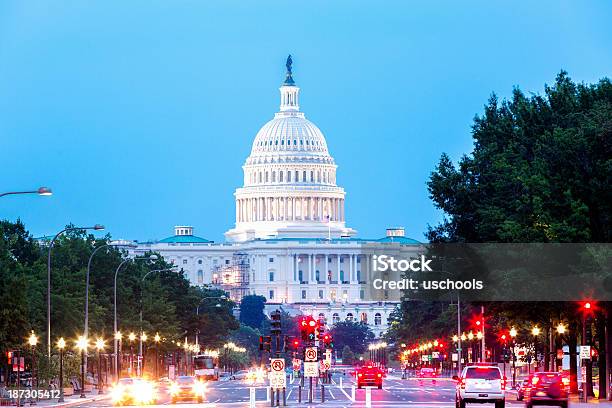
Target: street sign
585, 352
455, 357
277, 376
327, 365
583, 374
311, 369
297, 364
425, 358
435, 354
310, 354
322, 365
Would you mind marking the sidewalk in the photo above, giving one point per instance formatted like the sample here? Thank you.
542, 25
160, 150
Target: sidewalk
69, 401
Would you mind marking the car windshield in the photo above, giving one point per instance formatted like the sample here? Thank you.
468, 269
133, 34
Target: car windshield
548, 378
185, 380
483, 373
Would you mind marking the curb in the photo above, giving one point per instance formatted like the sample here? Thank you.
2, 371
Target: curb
79, 401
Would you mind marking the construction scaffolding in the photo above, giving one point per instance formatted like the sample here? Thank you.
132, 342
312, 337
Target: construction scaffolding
233, 278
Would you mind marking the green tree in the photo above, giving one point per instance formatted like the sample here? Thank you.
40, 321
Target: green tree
352, 334
251, 311
348, 357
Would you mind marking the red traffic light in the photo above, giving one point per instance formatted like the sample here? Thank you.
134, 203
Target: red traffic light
312, 323
587, 305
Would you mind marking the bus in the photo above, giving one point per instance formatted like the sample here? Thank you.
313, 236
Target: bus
206, 366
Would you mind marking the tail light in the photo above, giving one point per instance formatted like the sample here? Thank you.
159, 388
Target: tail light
503, 384
462, 384
360, 375
379, 375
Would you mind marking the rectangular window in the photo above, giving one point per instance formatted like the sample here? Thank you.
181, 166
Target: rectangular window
303, 294
227, 261
200, 276
341, 260
361, 294
358, 259
184, 262
271, 295
271, 277
320, 294
301, 276
270, 259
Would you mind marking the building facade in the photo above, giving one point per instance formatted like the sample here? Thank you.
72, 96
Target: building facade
290, 242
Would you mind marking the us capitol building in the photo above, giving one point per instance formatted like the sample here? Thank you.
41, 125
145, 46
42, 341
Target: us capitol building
290, 242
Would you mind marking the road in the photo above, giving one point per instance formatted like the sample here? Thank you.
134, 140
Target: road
395, 393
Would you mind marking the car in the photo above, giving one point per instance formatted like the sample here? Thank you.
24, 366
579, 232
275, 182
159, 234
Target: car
133, 391
369, 375
187, 388
521, 388
480, 383
427, 373
240, 375
547, 388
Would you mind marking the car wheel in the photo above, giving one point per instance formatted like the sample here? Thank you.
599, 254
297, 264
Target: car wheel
461, 404
563, 404
529, 405
380, 386
500, 404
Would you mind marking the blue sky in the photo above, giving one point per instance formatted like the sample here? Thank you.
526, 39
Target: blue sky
140, 114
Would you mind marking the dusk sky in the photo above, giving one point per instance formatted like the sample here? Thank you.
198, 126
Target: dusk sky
140, 114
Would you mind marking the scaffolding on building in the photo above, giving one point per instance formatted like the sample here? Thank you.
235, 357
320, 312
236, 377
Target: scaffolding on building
233, 278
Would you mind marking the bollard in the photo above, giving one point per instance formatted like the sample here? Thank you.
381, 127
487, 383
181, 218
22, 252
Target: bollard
284, 398
251, 397
353, 393
368, 397
299, 394
310, 392
340, 382
267, 394
278, 397
322, 393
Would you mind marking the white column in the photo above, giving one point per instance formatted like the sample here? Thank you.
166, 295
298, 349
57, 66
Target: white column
350, 277
293, 209
326, 267
295, 268
237, 211
338, 271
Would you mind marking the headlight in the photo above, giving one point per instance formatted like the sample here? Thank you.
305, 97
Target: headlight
199, 388
174, 389
143, 392
117, 393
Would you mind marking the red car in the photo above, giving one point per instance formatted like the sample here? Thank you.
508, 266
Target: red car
369, 375
547, 388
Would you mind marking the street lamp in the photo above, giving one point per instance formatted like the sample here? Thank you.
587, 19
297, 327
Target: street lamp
157, 338
117, 339
140, 354
513, 334
41, 191
100, 344
151, 257
131, 338
561, 328
535, 331
61, 344
33, 341
81, 345
96, 227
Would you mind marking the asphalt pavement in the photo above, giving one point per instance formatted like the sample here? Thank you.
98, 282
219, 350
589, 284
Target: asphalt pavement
395, 393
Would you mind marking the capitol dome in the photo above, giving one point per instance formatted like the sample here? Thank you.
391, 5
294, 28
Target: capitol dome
289, 179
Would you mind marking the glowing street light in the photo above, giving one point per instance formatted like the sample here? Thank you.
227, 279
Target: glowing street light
81, 345
561, 328
61, 344
535, 331
513, 332
100, 344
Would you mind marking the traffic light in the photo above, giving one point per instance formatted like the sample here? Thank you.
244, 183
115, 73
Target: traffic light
9, 356
276, 323
328, 340
291, 343
308, 328
265, 343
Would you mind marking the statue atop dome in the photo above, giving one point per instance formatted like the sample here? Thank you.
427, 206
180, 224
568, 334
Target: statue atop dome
288, 79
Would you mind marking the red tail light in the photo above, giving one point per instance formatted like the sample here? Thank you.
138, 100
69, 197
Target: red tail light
503, 384
462, 384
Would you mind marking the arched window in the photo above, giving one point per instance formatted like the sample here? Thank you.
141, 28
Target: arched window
274, 177
311, 176
322, 317
317, 276
377, 319
288, 177
335, 318
349, 317
266, 176
200, 276
364, 318
260, 176
280, 177
297, 176
304, 176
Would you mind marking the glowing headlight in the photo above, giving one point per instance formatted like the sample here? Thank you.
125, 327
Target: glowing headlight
174, 388
199, 388
143, 392
117, 393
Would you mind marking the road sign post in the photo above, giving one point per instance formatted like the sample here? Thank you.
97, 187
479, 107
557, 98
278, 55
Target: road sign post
251, 397
368, 397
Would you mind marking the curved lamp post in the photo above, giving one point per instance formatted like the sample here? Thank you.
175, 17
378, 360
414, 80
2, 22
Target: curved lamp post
41, 191
141, 307
151, 257
96, 227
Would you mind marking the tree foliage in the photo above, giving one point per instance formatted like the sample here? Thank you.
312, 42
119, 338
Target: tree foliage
352, 334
